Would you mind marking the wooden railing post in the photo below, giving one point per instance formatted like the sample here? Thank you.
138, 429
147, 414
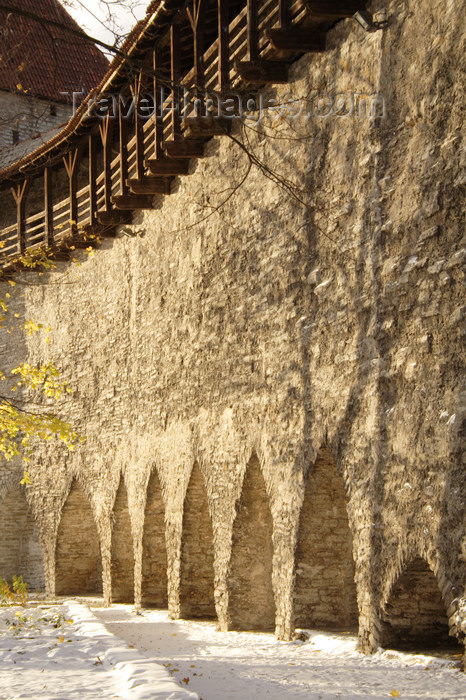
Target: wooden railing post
175, 51
123, 137
223, 45
92, 178
196, 17
136, 87
19, 193
106, 134
284, 13
253, 32
48, 207
158, 104
71, 165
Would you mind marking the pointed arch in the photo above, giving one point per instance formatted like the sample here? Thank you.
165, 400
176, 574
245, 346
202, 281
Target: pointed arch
251, 599
414, 617
20, 549
197, 552
122, 549
325, 592
154, 551
78, 564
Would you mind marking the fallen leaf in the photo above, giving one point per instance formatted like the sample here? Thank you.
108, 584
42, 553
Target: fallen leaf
61, 640
186, 680
395, 694
192, 666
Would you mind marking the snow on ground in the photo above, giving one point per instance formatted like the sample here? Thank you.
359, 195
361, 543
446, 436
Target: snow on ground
61, 652
251, 666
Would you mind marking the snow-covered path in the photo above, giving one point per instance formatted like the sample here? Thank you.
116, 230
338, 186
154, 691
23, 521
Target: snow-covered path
61, 652
249, 666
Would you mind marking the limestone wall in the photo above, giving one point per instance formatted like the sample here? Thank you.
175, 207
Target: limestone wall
231, 323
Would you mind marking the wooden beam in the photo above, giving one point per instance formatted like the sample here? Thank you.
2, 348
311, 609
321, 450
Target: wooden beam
297, 40
168, 166
332, 11
113, 218
183, 149
130, 202
262, 72
19, 193
48, 207
150, 185
206, 127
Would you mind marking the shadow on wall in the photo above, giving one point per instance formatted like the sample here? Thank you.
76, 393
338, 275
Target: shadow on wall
197, 553
325, 591
415, 616
20, 549
122, 549
251, 599
154, 551
78, 565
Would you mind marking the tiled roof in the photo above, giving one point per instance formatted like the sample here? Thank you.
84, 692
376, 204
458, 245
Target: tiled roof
42, 59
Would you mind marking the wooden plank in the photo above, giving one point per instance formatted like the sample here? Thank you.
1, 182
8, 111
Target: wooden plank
297, 40
168, 166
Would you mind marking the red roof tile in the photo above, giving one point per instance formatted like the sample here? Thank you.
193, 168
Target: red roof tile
45, 60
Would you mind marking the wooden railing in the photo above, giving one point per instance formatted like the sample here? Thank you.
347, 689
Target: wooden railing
211, 47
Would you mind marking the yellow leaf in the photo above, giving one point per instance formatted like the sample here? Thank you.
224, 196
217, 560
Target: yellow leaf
61, 640
395, 694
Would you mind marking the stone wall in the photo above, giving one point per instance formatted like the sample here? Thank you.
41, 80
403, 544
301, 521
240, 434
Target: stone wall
20, 548
243, 323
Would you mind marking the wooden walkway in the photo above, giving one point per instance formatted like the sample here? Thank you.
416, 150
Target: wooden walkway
109, 164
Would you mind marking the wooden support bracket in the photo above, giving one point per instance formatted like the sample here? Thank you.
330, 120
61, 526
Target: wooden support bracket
332, 11
113, 218
150, 185
168, 166
297, 40
130, 202
261, 72
183, 149
205, 127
